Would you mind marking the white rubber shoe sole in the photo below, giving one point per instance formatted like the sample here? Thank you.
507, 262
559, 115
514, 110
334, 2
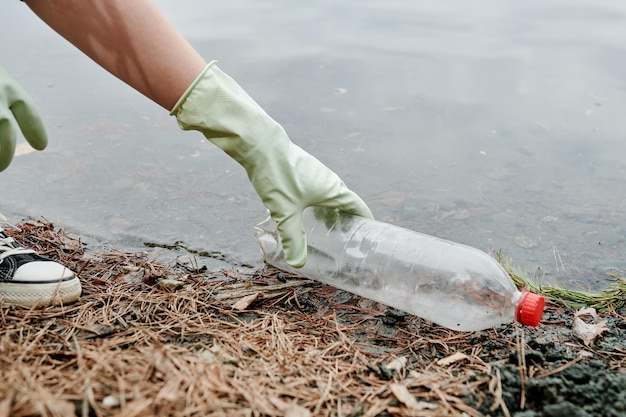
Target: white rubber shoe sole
28, 279
40, 283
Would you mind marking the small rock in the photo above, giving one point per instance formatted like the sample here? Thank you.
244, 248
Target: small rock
110, 401
170, 285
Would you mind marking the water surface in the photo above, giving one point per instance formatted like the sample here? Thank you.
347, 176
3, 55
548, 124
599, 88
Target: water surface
497, 125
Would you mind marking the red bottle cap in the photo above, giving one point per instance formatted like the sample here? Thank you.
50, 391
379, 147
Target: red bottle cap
530, 309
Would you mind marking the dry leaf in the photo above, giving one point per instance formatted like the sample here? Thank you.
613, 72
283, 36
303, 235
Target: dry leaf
458, 356
588, 332
404, 396
588, 311
134, 276
246, 301
397, 364
170, 285
23, 148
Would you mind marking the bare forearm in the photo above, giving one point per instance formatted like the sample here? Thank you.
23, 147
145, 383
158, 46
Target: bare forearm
132, 40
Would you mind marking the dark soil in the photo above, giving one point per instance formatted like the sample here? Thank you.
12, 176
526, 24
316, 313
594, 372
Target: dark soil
558, 376
280, 345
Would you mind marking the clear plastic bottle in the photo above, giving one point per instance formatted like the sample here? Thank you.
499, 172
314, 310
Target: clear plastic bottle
454, 285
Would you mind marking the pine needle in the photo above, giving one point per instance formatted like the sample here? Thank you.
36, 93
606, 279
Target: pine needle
610, 299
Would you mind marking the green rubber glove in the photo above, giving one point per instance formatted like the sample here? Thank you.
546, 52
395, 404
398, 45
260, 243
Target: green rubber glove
287, 178
14, 100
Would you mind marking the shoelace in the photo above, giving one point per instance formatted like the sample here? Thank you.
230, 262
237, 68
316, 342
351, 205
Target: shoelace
8, 245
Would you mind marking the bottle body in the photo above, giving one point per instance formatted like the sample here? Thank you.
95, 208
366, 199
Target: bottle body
450, 284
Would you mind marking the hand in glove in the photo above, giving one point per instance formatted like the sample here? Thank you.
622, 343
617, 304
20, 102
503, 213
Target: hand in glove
287, 178
14, 100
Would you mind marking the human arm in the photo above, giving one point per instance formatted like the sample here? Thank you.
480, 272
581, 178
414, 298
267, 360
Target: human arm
137, 44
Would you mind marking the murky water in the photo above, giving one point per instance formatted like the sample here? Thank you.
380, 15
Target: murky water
497, 125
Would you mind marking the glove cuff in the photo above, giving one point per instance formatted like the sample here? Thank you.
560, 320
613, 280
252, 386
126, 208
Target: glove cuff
177, 107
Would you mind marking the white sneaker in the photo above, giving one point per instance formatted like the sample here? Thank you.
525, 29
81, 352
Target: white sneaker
29, 279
